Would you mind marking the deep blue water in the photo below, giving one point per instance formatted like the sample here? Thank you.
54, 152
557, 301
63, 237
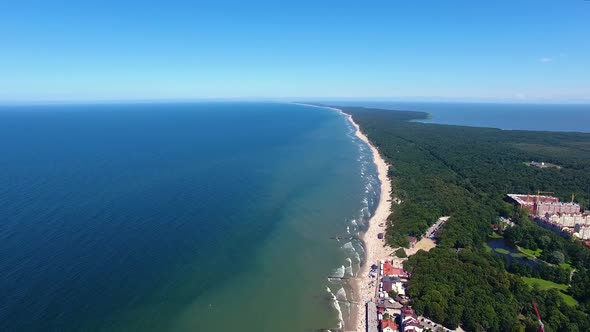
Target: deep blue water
177, 216
544, 117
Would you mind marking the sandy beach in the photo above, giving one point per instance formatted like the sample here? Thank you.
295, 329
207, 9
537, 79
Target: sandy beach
375, 248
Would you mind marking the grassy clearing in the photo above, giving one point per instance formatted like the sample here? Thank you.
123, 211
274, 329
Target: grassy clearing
502, 251
495, 236
535, 253
565, 266
545, 284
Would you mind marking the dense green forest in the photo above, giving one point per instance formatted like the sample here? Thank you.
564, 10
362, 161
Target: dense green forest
465, 172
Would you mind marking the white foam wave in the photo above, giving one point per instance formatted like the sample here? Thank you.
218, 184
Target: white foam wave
348, 270
339, 272
336, 305
341, 294
348, 246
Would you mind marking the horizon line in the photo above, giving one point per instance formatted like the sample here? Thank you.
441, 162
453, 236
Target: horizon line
294, 99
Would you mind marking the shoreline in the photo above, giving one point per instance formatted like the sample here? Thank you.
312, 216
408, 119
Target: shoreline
375, 249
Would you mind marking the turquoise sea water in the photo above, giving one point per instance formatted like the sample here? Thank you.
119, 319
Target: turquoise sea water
179, 217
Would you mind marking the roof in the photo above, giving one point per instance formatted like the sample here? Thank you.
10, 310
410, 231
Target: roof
388, 269
388, 323
387, 286
391, 279
408, 311
409, 314
413, 323
531, 199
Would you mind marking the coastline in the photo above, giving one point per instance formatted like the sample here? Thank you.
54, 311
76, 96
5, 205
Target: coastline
375, 249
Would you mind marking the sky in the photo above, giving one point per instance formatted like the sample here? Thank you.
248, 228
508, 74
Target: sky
472, 50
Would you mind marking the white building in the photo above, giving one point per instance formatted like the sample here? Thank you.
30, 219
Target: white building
583, 232
570, 220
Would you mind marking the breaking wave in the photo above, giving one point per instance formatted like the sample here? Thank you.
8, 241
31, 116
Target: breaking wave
353, 249
336, 306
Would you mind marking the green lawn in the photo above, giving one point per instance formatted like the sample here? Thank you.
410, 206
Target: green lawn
502, 251
536, 253
495, 236
545, 284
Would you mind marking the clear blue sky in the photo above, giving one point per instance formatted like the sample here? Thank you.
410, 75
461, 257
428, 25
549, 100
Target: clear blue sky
462, 50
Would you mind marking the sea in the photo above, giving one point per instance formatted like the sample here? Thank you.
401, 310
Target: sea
180, 217
515, 116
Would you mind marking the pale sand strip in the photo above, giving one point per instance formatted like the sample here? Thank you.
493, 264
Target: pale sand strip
375, 249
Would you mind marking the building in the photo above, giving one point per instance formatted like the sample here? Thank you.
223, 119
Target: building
541, 206
543, 164
410, 321
389, 270
387, 286
388, 325
391, 283
570, 220
582, 232
548, 208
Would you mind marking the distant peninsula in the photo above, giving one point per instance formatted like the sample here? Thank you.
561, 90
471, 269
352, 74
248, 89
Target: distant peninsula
465, 173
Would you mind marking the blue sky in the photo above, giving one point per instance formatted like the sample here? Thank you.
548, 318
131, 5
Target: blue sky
396, 49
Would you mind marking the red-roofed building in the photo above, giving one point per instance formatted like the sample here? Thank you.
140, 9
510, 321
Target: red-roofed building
389, 326
389, 270
409, 312
410, 320
398, 272
412, 325
539, 205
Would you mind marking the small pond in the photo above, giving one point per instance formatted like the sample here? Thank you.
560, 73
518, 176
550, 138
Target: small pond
501, 248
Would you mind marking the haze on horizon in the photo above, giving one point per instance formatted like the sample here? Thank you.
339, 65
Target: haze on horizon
530, 50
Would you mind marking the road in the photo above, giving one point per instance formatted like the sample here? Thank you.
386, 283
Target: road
433, 230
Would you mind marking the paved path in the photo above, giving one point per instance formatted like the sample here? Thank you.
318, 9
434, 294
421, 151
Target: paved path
433, 230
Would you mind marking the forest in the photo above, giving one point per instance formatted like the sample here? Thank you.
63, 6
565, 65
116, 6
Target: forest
465, 172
